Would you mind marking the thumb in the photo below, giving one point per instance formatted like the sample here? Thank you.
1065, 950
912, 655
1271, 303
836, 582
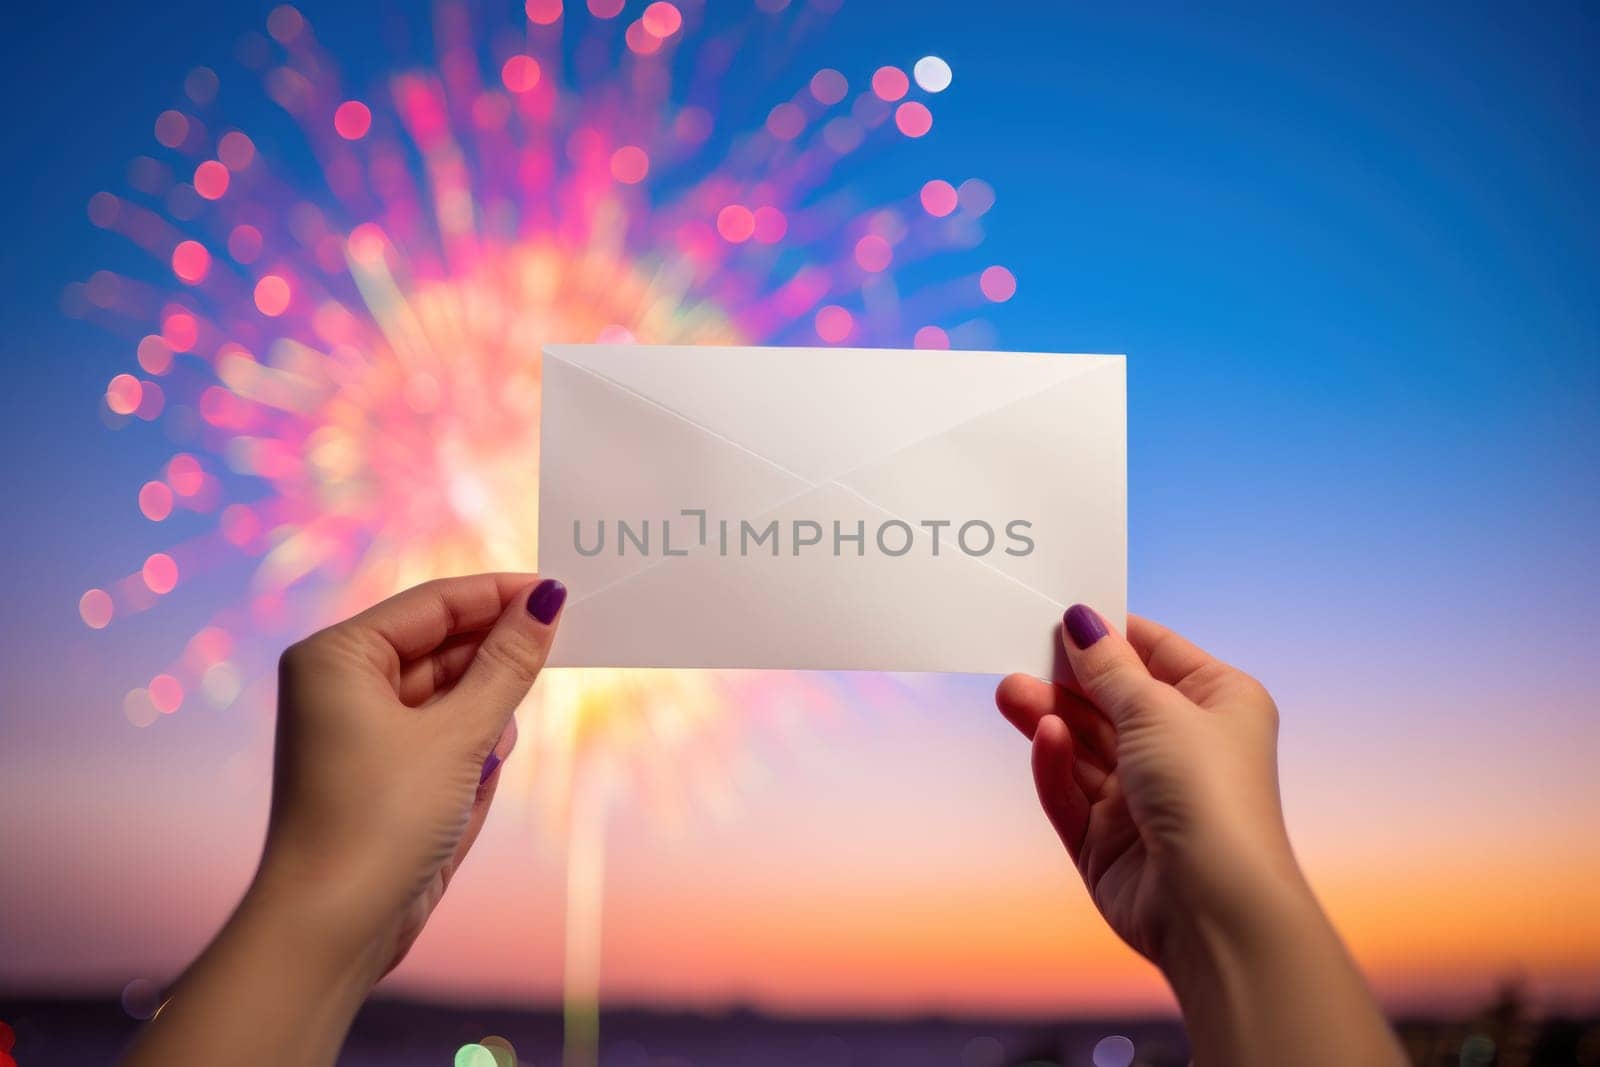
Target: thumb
507, 662
1107, 668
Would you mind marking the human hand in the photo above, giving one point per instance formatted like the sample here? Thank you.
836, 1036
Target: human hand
1157, 766
391, 726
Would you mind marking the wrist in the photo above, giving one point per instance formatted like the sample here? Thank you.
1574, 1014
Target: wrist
1268, 981
322, 925
1209, 943
270, 988
1233, 893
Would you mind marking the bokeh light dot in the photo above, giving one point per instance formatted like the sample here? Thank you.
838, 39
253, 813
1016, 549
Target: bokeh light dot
505, 1055
160, 573
938, 198
474, 1054
123, 394
104, 209
211, 179
191, 262
235, 150
201, 85
640, 40
520, 73
662, 19
151, 401
96, 609
932, 74
352, 119
284, 23
605, 9
154, 355
272, 296
913, 119
171, 128
873, 254
834, 323
366, 244
543, 12
977, 196
166, 693
736, 224
185, 474
244, 243
209, 646
828, 86
137, 709
155, 500
890, 83
221, 684
1113, 1051
180, 330
770, 224
931, 337
630, 164
998, 284
103, 289
786, 121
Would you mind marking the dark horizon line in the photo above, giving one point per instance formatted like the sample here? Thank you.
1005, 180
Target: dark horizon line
37, 999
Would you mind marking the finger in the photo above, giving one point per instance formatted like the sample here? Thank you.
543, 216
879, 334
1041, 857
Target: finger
415, 622
507, 662
1170, 657
1025, 700
428, 677
1060, 795
490, 774
1108, 670
488, 785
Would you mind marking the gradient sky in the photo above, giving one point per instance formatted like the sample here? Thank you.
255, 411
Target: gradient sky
1351, 255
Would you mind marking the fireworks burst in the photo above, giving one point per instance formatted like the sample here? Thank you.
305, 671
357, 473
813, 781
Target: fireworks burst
345, 354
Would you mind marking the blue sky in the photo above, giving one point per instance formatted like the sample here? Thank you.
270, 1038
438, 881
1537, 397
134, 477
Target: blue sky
1351, 253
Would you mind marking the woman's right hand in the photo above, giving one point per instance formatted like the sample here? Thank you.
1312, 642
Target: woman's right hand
391, 727
1157, 765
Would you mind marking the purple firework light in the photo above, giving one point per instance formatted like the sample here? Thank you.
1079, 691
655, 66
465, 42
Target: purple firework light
346, 363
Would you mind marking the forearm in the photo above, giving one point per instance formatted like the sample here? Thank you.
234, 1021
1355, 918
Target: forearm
1273, 984
274, 987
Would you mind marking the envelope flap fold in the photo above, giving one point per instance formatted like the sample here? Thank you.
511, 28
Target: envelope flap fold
819, 411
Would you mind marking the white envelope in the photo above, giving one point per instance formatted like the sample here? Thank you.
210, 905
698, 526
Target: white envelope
651, 456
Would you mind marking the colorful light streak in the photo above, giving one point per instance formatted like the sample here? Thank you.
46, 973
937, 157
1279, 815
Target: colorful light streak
348, 366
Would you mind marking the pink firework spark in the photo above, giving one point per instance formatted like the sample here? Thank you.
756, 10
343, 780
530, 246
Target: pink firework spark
345, 354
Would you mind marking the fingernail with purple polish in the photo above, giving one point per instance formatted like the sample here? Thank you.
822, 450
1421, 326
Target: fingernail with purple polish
544, 603
488, 767
1083, 626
